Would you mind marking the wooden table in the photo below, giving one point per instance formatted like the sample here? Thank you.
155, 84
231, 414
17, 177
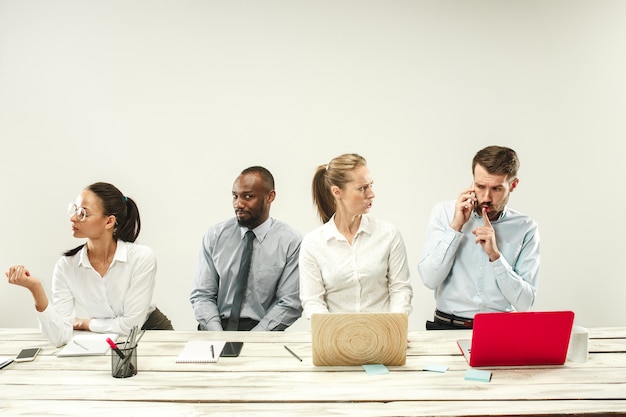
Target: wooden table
266, 380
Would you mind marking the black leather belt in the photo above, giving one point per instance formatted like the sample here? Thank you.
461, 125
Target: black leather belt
454, 320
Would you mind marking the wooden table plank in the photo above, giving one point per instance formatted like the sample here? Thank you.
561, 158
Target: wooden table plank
34, 407
286, 391
186, 375
265, 357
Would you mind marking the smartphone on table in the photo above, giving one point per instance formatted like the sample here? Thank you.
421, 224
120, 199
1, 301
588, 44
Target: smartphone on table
27, 354
231, 349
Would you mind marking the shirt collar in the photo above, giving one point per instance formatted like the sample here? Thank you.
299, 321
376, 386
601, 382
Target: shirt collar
121, 254
330, 230
260, 231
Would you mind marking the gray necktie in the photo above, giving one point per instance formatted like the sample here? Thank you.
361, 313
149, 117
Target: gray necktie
241, 282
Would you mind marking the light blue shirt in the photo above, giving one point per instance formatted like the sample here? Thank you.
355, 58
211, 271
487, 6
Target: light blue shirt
272, 294
459, 271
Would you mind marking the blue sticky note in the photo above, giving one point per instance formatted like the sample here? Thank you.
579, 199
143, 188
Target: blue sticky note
376, 369
477, 375
433, 367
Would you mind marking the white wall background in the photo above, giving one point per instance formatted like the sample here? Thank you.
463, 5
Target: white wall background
169, 100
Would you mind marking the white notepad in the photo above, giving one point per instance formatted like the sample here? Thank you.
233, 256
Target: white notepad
199, 351
91, 344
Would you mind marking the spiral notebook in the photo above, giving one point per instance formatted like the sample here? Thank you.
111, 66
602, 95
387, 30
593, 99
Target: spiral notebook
200, 351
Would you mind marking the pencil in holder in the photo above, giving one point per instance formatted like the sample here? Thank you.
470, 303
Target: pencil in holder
124, 362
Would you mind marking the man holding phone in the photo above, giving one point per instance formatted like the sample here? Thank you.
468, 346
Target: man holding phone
481, 255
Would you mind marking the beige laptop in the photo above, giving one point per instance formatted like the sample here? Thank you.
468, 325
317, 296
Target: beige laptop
349, 339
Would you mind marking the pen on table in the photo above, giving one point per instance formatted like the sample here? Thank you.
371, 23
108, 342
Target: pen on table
212, 352
293, 353
115, 348
79, 345
7, 363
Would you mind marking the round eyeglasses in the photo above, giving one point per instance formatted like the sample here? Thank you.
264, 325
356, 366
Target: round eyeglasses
80, 212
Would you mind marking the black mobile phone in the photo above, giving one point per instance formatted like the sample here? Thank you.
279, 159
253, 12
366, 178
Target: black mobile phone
26, 355
231, 349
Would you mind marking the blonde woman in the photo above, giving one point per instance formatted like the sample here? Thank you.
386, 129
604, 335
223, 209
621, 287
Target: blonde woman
353, 262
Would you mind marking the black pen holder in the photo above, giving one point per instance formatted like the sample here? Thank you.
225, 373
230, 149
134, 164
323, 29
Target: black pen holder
124, 365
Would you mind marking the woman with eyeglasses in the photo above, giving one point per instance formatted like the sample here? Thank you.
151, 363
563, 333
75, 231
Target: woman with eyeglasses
109, 277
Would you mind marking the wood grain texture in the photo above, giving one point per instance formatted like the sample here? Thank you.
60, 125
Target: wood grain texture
359, 339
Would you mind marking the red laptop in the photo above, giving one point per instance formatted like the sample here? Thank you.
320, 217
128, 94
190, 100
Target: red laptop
518, 339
